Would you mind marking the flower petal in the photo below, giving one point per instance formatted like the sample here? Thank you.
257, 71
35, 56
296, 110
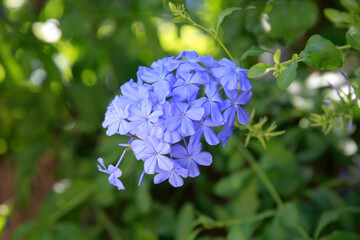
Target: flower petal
243, 116
165, 163
150, 165
187, 127
203, 158
176, 180
159, 178
210, 136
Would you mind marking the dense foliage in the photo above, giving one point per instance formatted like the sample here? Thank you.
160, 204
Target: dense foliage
291, 172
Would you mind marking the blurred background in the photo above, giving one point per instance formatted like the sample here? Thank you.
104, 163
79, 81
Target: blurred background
62, 62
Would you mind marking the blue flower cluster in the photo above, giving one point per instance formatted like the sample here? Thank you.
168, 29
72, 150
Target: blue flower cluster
171, 107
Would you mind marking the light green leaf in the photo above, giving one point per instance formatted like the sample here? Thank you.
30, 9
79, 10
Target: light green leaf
225, 13
351, 5
257, 70
353, 37
277, 56
325, 219
322, 54
289, 215
336, 16
179, 20
287, 77
253, 51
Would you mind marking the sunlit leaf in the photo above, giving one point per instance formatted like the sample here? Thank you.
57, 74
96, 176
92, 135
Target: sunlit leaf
179, 19
277, 56
257, 70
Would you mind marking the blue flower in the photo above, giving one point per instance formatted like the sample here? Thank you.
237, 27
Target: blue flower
213, 103
152, 151
114, 172
232, 106
142, 119
170, 108
183, 121
224, 134
204, 127
174, 175
115, 118
231, 75
186, 87
191, 157
133, 94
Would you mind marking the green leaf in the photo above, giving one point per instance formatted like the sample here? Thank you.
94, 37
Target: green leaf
143, 197
353, 37
291, 19
68, 231
287, 77
230, 185
184, 221
277, 56
341, 235
336, 16
289, 215
351, 5
179, 20
257, 70
225, 13
236, 233
322, 54
325, 219
253, 51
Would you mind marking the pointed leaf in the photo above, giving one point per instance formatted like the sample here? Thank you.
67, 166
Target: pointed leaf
257, 70
277, 56
253, 51
336, 16
287, 77
325, 219
225, 13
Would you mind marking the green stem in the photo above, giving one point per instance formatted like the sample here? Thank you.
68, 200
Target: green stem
209, 32
268, 185
343, 47
260, 173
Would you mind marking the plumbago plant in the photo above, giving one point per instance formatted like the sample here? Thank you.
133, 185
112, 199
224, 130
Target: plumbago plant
181, 103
